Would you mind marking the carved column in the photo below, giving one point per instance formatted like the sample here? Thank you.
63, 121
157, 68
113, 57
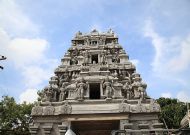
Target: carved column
34, 129
62, 129
127, 127
47, 129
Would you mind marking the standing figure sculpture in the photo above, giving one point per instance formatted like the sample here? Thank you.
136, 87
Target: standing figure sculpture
107, 86
139, 87
103, 58
127, 89
63, 91
86, 58
53, 88
81, 87
47, 94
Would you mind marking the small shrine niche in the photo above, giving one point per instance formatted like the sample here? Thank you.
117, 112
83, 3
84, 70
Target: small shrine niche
94, 58
94, 91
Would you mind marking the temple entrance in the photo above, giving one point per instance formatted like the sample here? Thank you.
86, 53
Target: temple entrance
94, 91
94, 127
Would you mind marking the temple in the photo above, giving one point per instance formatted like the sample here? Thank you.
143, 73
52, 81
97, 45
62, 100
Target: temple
95, 90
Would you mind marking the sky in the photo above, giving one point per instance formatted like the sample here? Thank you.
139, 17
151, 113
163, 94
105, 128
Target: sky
35, 35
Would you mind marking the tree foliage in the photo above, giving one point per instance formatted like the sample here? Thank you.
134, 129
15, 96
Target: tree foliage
14, 118
172, 111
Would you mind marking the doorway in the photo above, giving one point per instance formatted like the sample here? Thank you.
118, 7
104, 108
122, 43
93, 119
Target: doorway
94, 91
94, 59
94, 127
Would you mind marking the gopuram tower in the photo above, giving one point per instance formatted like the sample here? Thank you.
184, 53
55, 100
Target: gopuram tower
94, 91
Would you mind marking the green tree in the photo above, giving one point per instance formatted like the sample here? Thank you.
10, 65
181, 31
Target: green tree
14, 118
172, 111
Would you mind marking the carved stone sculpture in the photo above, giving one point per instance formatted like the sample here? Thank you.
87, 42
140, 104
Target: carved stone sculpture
86, 58
63, 91
139, 87
81, 87
66, 108
49, 110
127, 89
107, 86
37, 110
124, 107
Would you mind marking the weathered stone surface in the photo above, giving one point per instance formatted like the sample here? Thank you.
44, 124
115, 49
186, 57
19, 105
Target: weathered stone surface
95, 83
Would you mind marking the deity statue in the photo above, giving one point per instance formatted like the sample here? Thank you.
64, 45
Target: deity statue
103, 59
81, 87
107, 86
47, 94
127, 89
86, 58
116, 58
74, 61
53, 88
139, 87
63, 91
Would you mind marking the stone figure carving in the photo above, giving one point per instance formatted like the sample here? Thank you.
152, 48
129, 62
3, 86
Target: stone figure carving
63, 91
138, 108
49, 110
66, 108
139, 88
74, 52
86, 58
154, 106
64, 77
81, 87
107, 86
127, 89
47, 94
115, 54
42, 96
124, 107
115, 74
74, 60
53, 88
103, 59
37, 110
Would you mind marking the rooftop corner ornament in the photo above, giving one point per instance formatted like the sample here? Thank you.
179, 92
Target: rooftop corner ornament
2, 58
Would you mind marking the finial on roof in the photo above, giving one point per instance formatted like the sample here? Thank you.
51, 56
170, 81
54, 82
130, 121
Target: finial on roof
78, 34
110, 31
94, 31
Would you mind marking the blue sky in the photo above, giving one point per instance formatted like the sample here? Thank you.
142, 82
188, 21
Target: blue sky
34, 36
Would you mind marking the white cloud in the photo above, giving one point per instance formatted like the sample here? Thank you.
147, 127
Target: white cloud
172, 54
183, 96
29, 96
20, 43
171, 60
27, 51
181, 61
166, 95
13, 20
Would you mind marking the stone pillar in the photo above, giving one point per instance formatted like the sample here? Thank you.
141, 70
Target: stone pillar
34, 129
62, 129
47, 129
125, 125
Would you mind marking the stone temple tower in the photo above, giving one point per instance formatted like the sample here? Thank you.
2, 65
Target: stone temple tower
95, 90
